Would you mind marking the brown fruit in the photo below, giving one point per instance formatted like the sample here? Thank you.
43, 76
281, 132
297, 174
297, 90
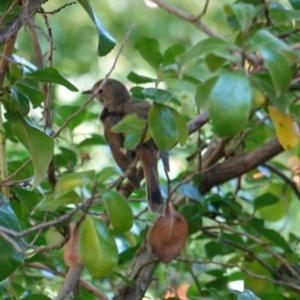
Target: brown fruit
168, 235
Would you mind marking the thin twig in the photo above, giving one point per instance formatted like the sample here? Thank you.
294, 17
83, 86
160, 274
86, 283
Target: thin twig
289, 181
43, 225
90, 288
53, 12
204, 9
243, 269
258, 242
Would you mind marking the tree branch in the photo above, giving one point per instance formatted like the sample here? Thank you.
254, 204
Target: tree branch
239, 165
13, 27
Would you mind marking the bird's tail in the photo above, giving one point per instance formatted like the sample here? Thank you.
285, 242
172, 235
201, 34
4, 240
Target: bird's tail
149, 159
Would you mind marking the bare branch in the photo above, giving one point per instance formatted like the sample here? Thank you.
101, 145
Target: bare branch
70, 282
58, 9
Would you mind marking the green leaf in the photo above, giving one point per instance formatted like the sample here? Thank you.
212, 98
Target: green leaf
30, 92
64, 111
15, 72
265, 200
94, 140
98, 247
230, 102
263, 39
281, 16
279, 69
193, 215
203, 92
105, 41
132, 140
214, 62
216, 46
163, 126
106, 173
17, 289
50, 203
183, 131
51, 75
170, 54
119, 211
10, 259
276, 239
149, 50
129, 124
69, 182
276, 211
18, 103
295, 4
213, 249
136, 78
157, 95
244, 14
37, 142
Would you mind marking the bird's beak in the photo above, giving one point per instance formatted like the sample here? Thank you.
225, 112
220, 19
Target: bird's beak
87, 92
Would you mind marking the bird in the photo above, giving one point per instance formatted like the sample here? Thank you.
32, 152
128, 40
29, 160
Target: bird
118, 104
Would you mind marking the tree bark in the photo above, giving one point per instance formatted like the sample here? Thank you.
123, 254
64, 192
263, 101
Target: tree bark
239, 165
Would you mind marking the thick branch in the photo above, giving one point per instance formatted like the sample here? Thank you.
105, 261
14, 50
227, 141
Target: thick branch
239, 165
140, 272
12, 27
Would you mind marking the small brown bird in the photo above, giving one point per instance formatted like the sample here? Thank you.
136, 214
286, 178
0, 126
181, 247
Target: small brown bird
118, 104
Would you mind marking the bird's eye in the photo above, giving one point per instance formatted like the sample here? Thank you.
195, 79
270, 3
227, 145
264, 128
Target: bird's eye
100, 91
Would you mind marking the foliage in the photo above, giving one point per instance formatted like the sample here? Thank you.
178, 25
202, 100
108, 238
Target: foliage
224, 88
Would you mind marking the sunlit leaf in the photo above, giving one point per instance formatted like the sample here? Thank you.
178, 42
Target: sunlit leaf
69, 182
130, 123
50, 203
98, 247
287, 130
119, 211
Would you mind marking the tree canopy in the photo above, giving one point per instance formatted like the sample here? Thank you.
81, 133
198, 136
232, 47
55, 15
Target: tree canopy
223, 81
